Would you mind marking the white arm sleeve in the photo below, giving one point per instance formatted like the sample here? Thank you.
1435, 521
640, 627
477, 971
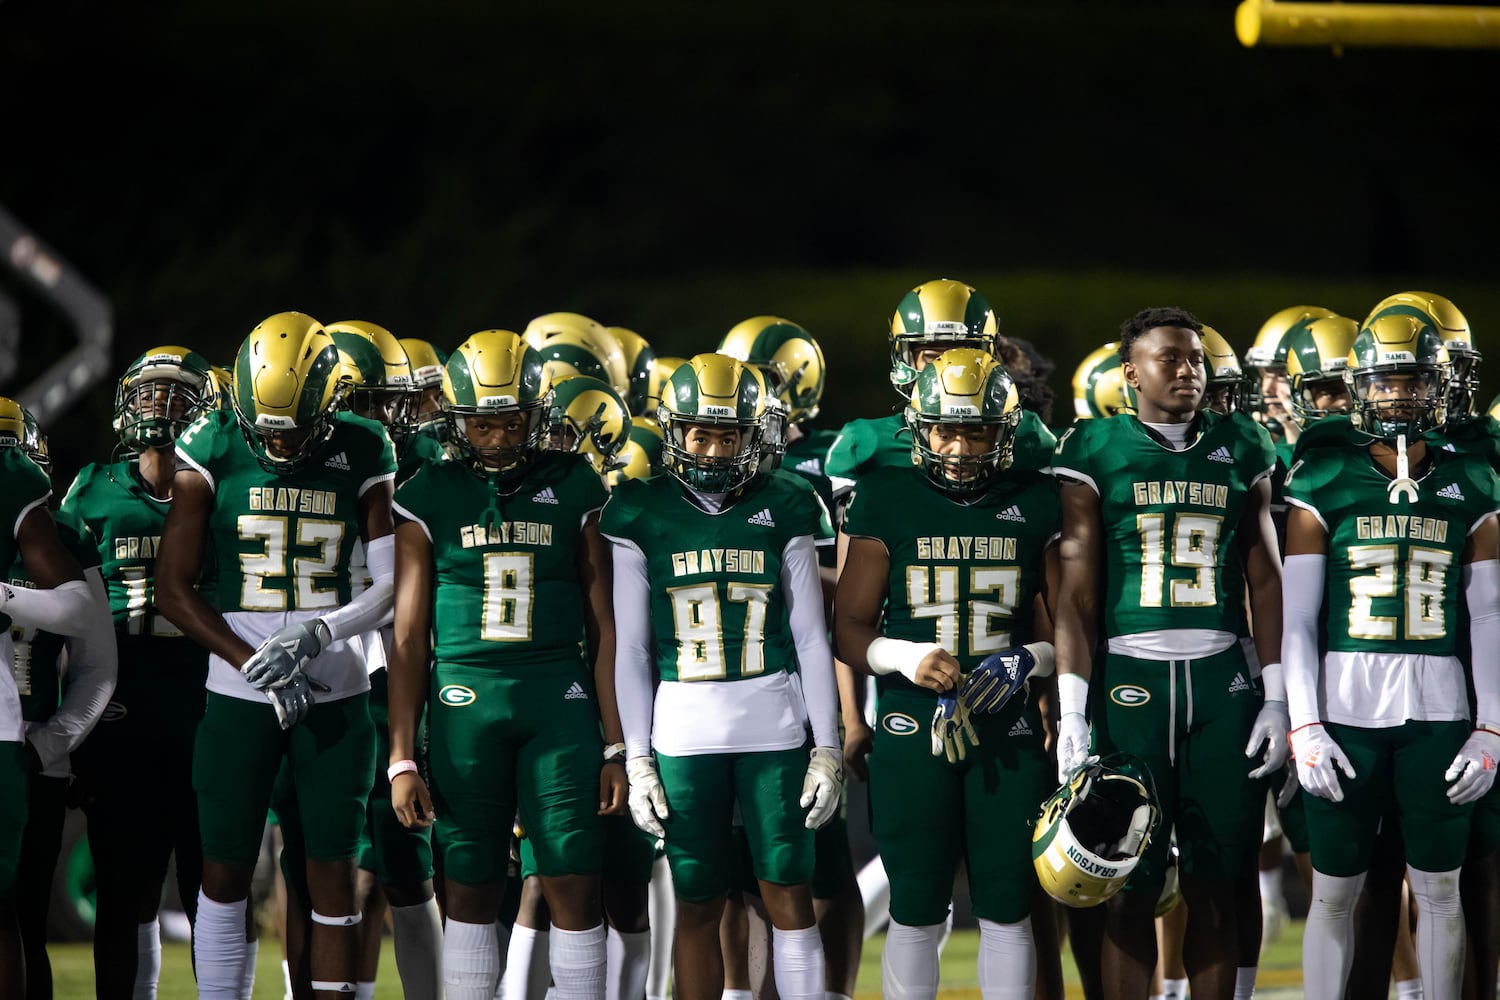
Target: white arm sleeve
87, 685
63, 610
632, 600
1482, 591
1301, 605
804, 602
376, 606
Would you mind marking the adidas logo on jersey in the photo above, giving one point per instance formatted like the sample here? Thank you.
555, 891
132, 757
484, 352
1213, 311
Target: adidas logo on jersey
1239, 684
545, 496
1012, 513
339, 461
1221, 454
1020, 728
575, 690
1451, 492
763, 518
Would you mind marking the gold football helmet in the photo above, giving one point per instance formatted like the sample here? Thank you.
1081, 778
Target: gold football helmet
639, 359
718, 391
789, 359
590, 418
1225, 378
164, 389
641, 456
1093, 830
493, 376
1266, 356
942, 313
1397, 376
287, 390
1099, 389
1453, 327
1316, 355
574, 344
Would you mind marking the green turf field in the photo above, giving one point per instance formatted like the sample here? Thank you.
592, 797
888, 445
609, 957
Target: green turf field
72, 968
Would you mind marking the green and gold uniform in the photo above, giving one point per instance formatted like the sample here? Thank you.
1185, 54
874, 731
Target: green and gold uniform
964, 575
1175, 686
513, 727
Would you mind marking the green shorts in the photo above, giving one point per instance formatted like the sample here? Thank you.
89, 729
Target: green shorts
330, 763
1188, 721
928, 815
13, 792
508, 743
396, 855
702, 792
629, 853
1397, 771
1484, 839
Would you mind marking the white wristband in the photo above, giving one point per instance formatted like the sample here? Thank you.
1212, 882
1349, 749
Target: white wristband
1273, 682
897, 656
400, 767
1046, 658
1072, 695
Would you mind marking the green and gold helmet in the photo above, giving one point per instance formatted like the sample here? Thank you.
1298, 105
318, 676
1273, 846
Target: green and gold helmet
1494, 410
662, 368
162, 391
1453, 326
425, 410
1316, 355
287, 390
1225, 378
717, 391
639, 359
641, 456
223, 387
1093, 830
1266, 353
940, 313
574, 344
963, 388
1099, 389
1397, 377
587, 416
19, 429
387, 387
494, 376
789, 359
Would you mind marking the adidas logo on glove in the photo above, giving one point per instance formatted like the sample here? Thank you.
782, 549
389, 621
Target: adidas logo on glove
763, 518
1221, 454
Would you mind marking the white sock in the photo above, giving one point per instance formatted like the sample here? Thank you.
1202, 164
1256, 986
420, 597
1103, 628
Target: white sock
528, 965
629, 956
418, 940
1174, 989
1440, 932
909, 962
737, 995
502, 938
471, 961
1409, 989
662, 911
1157, 996
1007, 960
797, 961
364, 991
286, 979
219, 947
875, 891
247, 983
1328, 937
1270, 887
579, 961
1244, 982
147, 960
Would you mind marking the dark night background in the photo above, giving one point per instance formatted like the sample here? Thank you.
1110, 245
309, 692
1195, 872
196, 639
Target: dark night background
674, 167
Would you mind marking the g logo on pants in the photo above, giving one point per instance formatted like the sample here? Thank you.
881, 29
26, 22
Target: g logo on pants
456, 695
899, 724
1129, 695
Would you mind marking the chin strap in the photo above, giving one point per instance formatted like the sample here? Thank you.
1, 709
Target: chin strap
1403, 485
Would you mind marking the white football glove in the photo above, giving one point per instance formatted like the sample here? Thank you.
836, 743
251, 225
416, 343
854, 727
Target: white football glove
283, 653
648, 799
1072, 744
1473, 770
1272, 723
1319, 760
824, 785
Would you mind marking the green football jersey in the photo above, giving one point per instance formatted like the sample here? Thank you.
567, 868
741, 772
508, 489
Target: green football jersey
417, 448
1477, 435
505, 587
717, 603
1394, 576
963, 575
283, 542
866, 445
1169, 518
34, 653
26, 486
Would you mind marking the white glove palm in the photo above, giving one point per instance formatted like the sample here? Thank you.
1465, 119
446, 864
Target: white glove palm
1272, 723
823, 787
1072, 744
1473, 770
1319, 760
648, 799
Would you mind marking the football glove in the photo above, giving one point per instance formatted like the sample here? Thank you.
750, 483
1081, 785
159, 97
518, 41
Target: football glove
1473, 770
823, 787
998, 677
1319, 760
283, 653
1272, 723
648, 799
951, 728
1072, 744
291, 700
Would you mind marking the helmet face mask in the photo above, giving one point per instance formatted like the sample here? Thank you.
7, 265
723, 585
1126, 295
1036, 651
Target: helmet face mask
384, 388
288, 389
19, 429
497, 394
1397, 377
1317, 353
712, 416
424, 406
1094, 829
640, 458
1265, 361
161, 393
1452, 327
936, 316
968, 403
773, 439
1224, 384
588, 417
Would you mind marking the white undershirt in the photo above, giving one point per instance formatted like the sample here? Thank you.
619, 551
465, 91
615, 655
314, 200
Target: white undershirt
1176, 434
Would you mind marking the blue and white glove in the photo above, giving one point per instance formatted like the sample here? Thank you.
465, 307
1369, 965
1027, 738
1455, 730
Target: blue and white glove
292, 700
990, 685
951, 728
283, 653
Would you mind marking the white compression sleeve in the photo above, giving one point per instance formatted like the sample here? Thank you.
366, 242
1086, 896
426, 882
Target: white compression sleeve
804, 601
1482, 591
62, 610
1301, 604
373, 608
90, 680
632, 601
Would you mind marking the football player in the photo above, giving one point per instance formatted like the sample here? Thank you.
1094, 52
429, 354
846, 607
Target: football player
279, 490
159, 697
1266, 386
1224, 379
721, 561
423, 431
1382, 537
587, 417
947, 564
1159, 508
500, 558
